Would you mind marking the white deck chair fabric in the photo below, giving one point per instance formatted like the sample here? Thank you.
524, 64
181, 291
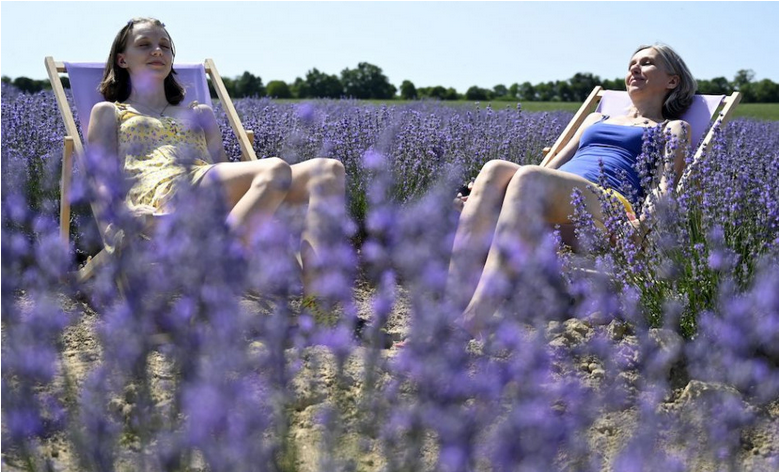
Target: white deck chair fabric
698, 115
86, 77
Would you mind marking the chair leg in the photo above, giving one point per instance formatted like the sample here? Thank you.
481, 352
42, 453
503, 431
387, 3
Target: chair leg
65, 190
88, 270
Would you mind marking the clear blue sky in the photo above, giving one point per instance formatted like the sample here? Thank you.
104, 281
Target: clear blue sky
454, 44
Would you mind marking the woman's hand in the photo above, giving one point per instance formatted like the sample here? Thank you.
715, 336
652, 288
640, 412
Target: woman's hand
146, 215
638, 229
459, 201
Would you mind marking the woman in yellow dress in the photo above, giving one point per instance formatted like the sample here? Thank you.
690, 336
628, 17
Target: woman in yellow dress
162, 144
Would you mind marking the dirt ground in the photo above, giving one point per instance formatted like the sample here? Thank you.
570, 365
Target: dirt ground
314, 387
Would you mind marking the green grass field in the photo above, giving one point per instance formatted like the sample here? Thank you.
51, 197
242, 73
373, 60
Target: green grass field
755, 111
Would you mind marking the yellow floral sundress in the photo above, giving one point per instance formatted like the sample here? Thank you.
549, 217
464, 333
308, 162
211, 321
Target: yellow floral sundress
160, 154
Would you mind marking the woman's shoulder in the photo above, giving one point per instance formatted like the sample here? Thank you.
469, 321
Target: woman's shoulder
103, 111
195, 106
678, 126
104, 106
201, 108
594, 118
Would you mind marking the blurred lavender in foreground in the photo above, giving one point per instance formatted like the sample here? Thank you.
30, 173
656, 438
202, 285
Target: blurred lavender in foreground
207, 360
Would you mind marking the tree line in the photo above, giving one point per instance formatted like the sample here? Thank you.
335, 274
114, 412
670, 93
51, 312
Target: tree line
367, 81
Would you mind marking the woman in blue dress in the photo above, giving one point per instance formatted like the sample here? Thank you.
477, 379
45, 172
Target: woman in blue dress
505, 197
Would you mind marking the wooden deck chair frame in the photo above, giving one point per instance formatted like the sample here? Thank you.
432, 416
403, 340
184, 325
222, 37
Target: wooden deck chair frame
726, 107
72, 145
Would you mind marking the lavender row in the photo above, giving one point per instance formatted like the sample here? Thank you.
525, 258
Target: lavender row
234, 379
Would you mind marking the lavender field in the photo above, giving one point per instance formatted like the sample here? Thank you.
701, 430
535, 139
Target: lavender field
188, 352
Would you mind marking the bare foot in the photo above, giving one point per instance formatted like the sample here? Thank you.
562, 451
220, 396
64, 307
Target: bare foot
470, 322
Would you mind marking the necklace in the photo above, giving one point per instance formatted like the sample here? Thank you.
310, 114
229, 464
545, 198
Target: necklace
159, 114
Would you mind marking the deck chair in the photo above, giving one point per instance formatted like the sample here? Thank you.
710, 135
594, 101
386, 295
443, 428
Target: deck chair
613, 103
84, 79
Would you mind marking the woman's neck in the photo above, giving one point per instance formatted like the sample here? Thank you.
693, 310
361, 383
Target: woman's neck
649, 109
152, 95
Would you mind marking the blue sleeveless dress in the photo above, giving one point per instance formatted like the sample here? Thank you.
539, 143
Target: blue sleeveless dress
617, 147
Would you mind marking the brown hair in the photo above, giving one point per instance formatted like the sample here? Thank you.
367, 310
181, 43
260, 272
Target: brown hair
116, 84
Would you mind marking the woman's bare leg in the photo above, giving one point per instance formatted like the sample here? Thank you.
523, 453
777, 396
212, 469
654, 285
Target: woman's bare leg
534, 192
320, 185
253, 189
476, 228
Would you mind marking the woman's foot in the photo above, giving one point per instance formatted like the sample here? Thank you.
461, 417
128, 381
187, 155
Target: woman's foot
470, 323
454, 331
330, 318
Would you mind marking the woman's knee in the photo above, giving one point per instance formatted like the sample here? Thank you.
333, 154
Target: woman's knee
273, 172
497, 173
528, 182
529, 175
325, 175
329, 168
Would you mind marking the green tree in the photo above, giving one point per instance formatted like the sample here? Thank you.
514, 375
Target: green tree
26, 84
582, 84
563, 92
500, 91
477, 93
545, 91
367, 81
613, 84
527, 92
743, 77
437, 92
318, 84
408, 90
230, 85
297, 88
766, 91
720, 85
743, 83
451, 94
249, 85
278, 89
513, 91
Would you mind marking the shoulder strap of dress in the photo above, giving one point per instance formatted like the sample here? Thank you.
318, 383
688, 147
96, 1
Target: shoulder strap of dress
121, 110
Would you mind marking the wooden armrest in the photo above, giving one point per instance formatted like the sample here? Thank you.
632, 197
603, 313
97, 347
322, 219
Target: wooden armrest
546, 150
250, 138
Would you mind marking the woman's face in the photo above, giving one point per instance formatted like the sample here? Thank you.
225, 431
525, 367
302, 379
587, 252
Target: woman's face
147, 51
646, 71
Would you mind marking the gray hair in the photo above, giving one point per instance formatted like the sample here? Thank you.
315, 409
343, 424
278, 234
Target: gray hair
680, 98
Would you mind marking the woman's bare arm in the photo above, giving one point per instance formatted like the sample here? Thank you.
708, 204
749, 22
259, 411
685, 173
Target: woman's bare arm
102, 132
212, 133
674, 165
675, 154
102, 147
107, 164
